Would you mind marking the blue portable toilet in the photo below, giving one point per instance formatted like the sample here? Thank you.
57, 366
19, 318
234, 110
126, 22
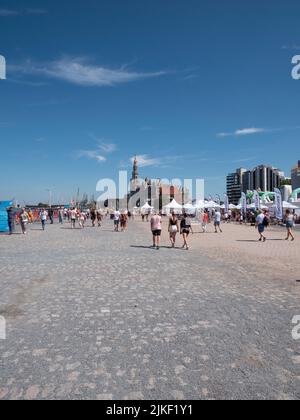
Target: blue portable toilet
3, 215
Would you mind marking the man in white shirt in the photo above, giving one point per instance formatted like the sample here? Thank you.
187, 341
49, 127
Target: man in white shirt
218, 218
261, 225
43, 217
73, 218
117, 216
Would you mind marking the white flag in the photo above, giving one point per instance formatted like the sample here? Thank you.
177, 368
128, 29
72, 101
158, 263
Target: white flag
226, 203
256, 200
244, 203
278, 204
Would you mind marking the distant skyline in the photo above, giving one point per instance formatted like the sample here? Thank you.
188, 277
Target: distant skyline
193, 89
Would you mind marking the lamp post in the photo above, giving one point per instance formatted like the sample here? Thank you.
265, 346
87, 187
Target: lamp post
50, 197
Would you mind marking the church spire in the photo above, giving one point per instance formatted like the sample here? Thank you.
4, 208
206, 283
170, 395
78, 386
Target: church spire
135, 175
135, 171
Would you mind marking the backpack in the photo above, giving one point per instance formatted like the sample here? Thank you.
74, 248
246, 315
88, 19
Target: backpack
266, 221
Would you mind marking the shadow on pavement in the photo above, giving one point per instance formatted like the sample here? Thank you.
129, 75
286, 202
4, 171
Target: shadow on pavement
154, 248
257, 241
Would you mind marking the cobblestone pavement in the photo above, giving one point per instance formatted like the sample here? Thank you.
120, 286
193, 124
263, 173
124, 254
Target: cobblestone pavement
97, 314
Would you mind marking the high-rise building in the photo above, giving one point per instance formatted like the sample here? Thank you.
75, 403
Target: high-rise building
296, 176
247, 181
235, 186
262, 178
266, 178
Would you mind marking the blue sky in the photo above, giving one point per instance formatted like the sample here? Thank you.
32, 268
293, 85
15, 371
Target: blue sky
195, 88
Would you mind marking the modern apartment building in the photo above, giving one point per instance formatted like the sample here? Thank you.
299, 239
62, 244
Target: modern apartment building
296, 176
261, 178
266, 178
235, 185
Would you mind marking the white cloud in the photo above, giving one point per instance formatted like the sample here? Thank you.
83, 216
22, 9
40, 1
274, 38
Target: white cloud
146, 128
7, 12
11, 12
78, 71
40, 140
145, 160
106, 146
101, 148
91, 154
251, 131
243, 132
291, 47
36, 11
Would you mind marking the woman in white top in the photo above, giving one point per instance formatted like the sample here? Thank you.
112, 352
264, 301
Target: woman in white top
24, 221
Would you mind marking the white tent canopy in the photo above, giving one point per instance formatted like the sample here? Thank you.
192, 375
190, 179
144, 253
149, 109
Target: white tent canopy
286, 205
253, 206
290, 206
211, 205
146, 207
203, 204
231, 207
189, 208
200, 204
173, 207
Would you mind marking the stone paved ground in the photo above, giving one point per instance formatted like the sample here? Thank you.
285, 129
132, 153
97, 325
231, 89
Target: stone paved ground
96, 314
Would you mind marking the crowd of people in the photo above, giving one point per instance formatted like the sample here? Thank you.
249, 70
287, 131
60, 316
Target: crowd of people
178, 224
183, 225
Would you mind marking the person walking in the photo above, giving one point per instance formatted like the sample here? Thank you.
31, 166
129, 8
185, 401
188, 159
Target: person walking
30, 216
61, 216
217, 221
173, 229
81, 219
24, 221
289, 222
51, 216
117, 216
43, 218
156, 229
99, 218
123, 221
261, 224
205, 221
73, 216
185, 230
11, 219
93, 216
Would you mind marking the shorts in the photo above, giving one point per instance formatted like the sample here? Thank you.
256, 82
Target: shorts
217, 224
261, 228
117, 222
289, 224
156, 232
186, 231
